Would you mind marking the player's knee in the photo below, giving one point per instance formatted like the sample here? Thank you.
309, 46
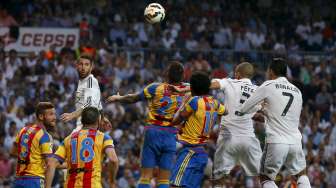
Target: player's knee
146, 173
163, 174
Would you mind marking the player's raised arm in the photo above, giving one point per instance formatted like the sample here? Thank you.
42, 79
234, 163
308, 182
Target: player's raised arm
147, 93
186, 111
217, 84
256, 98
129, 98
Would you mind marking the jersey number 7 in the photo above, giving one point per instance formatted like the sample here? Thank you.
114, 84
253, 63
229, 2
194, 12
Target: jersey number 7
290, 101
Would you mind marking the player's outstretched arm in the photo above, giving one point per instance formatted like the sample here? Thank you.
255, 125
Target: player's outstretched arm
215, 84
66, 117
256, 98
52, 163
113, 165
129, 98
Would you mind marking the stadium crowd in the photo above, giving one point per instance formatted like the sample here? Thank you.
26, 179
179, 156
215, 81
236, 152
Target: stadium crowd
239, 25
281, 26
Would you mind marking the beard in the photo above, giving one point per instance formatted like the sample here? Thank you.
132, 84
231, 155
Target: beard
83, 75
49, 125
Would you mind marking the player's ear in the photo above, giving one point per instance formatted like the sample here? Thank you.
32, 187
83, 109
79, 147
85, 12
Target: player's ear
40, 117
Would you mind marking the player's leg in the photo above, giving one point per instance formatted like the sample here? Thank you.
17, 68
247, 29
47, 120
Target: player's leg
274, 157
224, 159
145, 177
148, 159
166, 161
296, 165
163, 178
250, 156
183, 158
189, 169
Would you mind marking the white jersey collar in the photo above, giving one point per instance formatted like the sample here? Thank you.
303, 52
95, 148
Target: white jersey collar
84, 79
246, 80
281, 79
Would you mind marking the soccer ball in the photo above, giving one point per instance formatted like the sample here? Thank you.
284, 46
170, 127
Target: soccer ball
154, 13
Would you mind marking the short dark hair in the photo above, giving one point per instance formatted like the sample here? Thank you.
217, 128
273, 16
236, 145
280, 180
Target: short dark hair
175, 72
200, 83
278, 66
41, 107
90, 115
86, 56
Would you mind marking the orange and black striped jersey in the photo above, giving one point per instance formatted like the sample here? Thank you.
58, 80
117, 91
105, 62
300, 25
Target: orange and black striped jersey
84, 153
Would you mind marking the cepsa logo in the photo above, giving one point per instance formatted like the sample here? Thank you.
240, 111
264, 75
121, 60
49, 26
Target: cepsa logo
46, 39
29, 39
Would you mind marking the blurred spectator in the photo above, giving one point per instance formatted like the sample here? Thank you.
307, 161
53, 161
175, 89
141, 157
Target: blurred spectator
6, 20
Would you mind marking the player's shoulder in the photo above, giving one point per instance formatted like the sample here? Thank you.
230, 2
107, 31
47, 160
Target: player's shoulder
104, 135
92, 81
268, 83
193, 101
155, 84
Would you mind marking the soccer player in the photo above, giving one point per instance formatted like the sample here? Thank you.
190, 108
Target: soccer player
84, 151
237, 143
88, 91
159, 145
199, 113
283, 138
33, 148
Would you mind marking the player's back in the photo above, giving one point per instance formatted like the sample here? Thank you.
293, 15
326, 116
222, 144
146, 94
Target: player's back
163, 103
283, 106
34, 144
236, 92
205, 110
83, 151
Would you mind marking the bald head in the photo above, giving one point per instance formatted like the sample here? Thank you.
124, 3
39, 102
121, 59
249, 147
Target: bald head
244, 70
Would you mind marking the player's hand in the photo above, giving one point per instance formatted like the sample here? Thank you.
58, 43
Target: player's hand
66, 117
105, 125
260, 116
113, 98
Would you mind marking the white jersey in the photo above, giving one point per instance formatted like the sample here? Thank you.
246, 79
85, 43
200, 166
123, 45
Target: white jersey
88, 94
283, 108
236, 92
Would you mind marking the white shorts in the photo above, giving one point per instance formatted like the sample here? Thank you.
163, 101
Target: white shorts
237, 150
277, 155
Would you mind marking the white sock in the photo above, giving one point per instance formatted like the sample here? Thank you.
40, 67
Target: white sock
303, 182
268, 184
